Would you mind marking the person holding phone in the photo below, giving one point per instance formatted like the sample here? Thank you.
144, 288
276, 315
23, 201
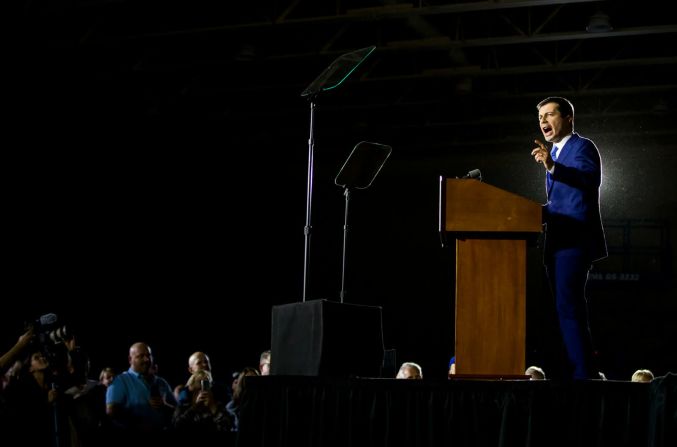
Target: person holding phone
201, 416
199, 361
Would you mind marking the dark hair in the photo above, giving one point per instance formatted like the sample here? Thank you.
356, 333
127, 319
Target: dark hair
565, 106
239, 389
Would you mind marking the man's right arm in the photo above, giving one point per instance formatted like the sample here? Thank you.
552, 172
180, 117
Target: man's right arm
114, 399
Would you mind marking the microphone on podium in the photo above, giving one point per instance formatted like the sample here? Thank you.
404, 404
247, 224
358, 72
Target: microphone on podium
475, 173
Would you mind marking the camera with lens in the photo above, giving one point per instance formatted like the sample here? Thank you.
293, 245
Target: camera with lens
49, 329
51, 334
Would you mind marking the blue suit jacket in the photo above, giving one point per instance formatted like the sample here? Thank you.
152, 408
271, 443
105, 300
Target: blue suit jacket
572, 215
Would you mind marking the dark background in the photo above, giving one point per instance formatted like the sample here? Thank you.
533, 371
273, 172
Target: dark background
156, 162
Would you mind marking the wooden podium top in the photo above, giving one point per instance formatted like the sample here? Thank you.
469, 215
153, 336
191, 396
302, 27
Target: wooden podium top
468, 205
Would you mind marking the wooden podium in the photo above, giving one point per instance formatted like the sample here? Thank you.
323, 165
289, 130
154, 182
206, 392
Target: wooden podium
491, 227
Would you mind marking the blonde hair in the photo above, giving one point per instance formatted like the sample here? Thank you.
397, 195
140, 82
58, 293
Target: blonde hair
197, 376
642, 375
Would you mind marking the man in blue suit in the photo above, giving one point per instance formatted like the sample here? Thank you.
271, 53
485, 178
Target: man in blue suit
574, 236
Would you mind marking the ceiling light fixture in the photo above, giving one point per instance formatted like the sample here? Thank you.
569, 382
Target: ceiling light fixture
599, 23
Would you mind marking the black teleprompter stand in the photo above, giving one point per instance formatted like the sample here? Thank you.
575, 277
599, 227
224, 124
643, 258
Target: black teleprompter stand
332, 76
359, 171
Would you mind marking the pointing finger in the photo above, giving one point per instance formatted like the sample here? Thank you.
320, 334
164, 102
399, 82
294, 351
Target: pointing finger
542, 145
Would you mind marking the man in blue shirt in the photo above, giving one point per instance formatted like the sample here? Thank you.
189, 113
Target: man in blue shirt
139, 401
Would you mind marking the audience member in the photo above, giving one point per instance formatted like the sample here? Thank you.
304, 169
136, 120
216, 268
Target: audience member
201, 417
233, 406
452, 365
410, 370
264, 363
140, 404
199, 361
86, 403
642, 375
106, 376
89, 410
535, 372
233, 383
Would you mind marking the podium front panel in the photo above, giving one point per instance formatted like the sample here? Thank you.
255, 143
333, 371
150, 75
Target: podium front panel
490, 306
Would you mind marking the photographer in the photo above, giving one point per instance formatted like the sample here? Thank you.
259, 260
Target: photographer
55, 370
56, 342
33, 401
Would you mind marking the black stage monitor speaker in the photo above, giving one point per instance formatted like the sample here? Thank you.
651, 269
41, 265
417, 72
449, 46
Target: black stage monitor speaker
326, 338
